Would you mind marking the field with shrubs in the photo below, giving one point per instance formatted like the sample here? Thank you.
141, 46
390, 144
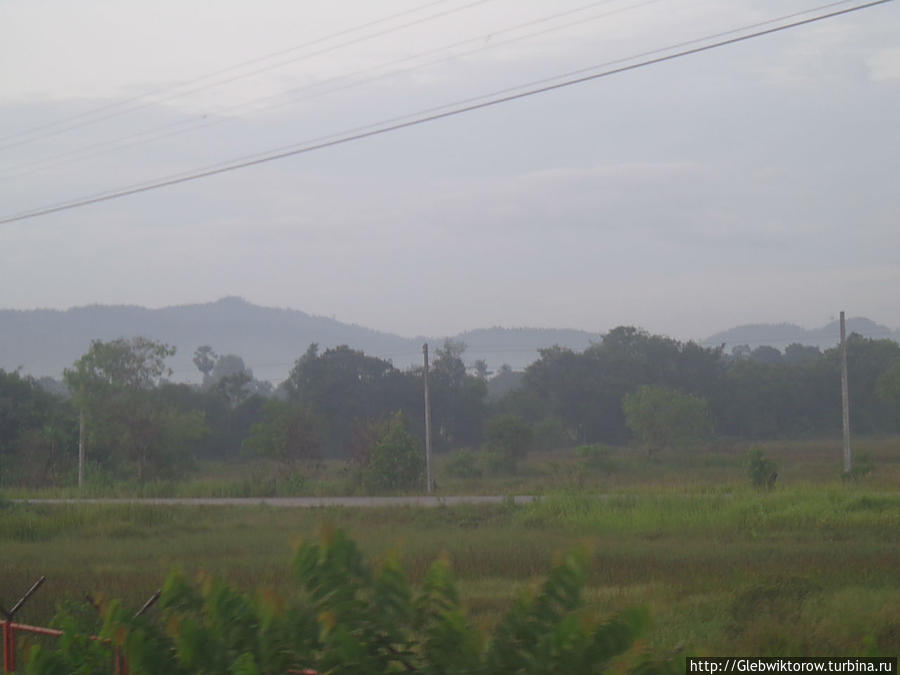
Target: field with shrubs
807, 567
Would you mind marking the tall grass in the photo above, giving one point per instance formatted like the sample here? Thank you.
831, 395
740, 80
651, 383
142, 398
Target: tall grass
808, 568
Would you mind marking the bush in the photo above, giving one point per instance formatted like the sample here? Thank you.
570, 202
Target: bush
595, 457
663, 418
397, 459
352, 618
463, 464
763, 472
495, 463
862, 467
510, 436
550, 434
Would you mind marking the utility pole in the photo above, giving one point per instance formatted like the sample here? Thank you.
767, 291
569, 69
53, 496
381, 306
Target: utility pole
81, 447
428, 481
845, 397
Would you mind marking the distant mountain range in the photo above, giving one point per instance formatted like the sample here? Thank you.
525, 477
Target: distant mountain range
781, 335
269, 340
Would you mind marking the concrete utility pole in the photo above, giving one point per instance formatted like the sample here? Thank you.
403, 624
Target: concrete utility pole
81, 447
428, 481
845, 397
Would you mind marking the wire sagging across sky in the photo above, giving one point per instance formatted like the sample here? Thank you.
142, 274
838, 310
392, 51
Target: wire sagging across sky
483, 42
546, 85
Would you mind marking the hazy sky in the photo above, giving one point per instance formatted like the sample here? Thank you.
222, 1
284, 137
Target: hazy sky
753, 183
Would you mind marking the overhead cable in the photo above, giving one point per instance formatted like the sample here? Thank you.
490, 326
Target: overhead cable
421, 118
189, 125
178, 94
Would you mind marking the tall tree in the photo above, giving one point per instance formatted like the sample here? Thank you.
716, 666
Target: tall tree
205, 360
457, 399
115, 386
37, 432
662, 418
344, 387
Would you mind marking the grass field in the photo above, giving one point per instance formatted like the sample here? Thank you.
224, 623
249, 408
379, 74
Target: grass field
812, 567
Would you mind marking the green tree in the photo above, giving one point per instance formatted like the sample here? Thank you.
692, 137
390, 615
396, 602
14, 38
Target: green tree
801, 355
510, 437
115, 385
888, 388
205, 360
288, 432
397, 458
662, 418
585, 390
868, 361
348, 389
457, 399
37, 432
766, 354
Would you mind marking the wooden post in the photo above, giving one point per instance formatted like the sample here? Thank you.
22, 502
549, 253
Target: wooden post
845, 398
428, 480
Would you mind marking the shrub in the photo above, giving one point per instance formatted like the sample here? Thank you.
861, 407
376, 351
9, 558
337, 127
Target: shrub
463, 464
509, 436
550, 434
595, 457
396, 460
763, 472
662, 418
862, 467
353, 618
495, 463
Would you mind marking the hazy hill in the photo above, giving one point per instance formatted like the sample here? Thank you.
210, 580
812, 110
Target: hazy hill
44, 342
782, 334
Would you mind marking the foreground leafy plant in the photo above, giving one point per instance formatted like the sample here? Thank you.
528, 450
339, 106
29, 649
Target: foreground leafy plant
351, 618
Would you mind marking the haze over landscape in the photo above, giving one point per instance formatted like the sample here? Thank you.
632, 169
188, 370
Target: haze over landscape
626, 230
269, 340
750, 184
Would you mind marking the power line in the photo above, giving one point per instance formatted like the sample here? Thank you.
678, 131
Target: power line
421, 118
179, 94
122, 142
186, 126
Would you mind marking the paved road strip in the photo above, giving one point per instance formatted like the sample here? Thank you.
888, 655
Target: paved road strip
293, 502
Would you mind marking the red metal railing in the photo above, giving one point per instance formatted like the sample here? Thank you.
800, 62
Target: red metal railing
120, 664
10, 628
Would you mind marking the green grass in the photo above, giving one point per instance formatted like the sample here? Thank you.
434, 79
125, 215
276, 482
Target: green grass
716, 467
808, 568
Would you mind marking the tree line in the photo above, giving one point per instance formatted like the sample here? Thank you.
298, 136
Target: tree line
629, 387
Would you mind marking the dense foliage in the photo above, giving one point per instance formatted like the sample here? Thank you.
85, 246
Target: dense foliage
37, 432
752, 394
630, 386
663, 418
352, 618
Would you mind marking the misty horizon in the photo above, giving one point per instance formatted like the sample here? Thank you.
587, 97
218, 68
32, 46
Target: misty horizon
750, 184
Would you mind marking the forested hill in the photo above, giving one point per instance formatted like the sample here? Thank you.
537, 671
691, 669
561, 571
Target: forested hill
783, 334
269, 340
44, 342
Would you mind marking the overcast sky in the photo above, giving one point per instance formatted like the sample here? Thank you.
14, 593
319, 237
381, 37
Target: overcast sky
753, 183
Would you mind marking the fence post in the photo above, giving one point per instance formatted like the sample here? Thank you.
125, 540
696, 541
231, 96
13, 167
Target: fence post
9, 647
121, 665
